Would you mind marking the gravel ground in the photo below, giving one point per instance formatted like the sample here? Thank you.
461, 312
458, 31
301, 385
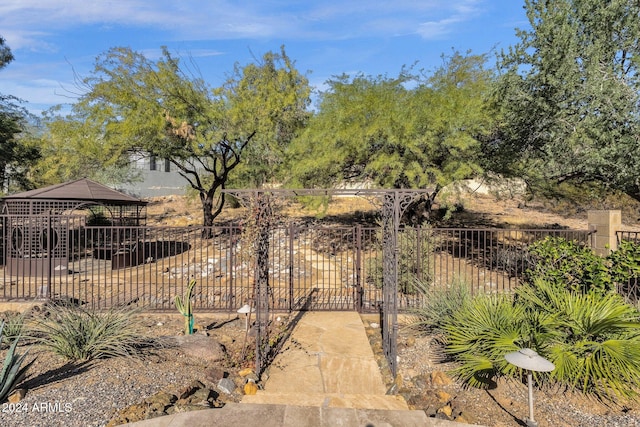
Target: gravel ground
90, 395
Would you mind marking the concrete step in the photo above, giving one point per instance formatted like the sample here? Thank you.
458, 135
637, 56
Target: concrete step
330, 400
266, 415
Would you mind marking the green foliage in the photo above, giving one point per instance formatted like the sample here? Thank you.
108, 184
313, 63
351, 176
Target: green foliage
80, 334
74, 147
569, 265
569, 96
183, 304
13, 325
624, 266
12, 370
18, 148
414, 260
17, 152
270, 97
440, 303
134, 105
480, 333
411, 131
593, 339
5, 53
131, 104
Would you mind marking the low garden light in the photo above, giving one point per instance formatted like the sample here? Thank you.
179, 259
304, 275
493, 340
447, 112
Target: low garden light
245, 309
531, 361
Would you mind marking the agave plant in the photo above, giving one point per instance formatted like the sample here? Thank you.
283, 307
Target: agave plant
12, 370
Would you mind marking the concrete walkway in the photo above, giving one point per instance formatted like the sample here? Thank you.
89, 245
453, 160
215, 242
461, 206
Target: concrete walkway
325, 376
328, 362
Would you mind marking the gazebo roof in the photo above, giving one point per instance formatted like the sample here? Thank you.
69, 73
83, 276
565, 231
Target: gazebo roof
79, 190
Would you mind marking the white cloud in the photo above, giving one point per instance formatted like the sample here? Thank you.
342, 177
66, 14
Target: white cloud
22, 21
456, 14
46, 91
437, 29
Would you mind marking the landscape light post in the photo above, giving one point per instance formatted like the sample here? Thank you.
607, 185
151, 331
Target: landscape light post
245, 309
531, 361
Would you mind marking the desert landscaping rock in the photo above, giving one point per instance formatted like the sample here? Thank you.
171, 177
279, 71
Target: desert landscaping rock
201, 348
227, 385
115, 391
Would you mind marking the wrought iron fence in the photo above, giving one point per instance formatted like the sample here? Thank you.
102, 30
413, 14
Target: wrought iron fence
310, 267
630, 289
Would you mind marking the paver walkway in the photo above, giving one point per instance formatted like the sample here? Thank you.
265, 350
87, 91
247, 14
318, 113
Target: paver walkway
326, 376
327, 362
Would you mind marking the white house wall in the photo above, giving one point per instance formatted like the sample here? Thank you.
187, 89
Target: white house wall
162, 180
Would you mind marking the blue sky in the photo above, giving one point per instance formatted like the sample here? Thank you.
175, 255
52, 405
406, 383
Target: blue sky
52, 39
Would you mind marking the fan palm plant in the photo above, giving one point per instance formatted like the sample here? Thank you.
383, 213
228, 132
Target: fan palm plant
593, 339
480, 334
596, 345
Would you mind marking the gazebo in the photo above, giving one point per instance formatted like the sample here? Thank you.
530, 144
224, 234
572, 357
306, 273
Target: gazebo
38, 223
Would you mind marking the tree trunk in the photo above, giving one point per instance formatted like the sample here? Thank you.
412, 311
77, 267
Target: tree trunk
207, 215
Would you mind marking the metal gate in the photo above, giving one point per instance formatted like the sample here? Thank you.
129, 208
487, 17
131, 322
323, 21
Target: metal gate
325, 268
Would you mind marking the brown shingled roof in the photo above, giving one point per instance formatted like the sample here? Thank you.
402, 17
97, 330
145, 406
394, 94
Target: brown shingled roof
82, 189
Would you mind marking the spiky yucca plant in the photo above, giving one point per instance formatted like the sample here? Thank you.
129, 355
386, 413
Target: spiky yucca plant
12, 370
80, 334
439, 303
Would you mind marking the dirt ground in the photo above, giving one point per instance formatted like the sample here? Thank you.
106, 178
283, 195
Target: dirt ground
478, 210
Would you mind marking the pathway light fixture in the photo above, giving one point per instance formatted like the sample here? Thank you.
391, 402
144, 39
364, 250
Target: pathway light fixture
530, 361
246, 309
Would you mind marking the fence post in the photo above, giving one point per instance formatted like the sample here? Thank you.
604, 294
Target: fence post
604, 224
358, 270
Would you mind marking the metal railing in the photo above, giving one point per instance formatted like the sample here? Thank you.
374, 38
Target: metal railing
630, 289
310, 267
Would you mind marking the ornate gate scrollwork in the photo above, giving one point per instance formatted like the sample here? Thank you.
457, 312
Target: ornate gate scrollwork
394, 204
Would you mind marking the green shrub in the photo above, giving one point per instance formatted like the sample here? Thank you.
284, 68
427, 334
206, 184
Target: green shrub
480, 334
593, 339
414, 260
12, 370
81, 334
568, 264
624, 268
439, 303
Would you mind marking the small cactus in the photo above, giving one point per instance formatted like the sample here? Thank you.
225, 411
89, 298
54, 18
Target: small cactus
184, 306
12, 372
